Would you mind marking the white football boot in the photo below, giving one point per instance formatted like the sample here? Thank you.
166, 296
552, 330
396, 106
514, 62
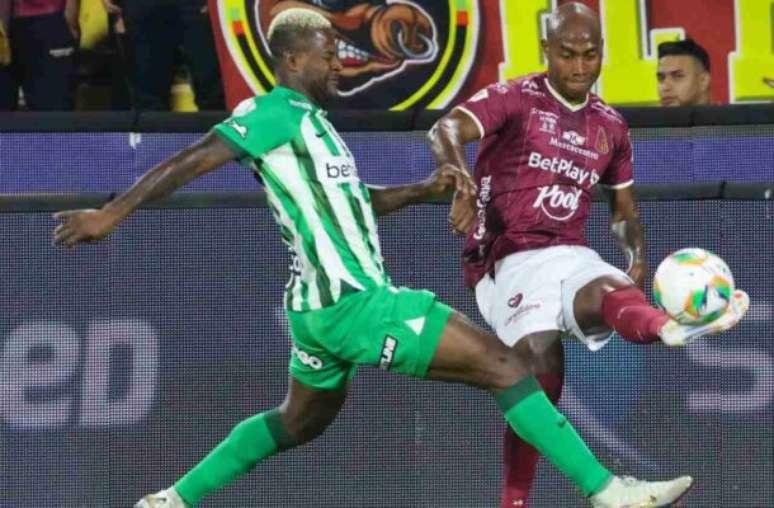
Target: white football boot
168, 498
628, 492
675, 334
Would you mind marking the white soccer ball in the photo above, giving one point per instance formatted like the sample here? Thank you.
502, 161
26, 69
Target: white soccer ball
693, 286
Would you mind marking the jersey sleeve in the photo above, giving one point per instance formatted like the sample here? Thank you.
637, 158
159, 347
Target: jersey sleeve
256, 126
491, 107
619, 173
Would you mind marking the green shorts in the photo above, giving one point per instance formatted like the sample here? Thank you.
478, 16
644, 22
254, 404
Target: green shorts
394, 329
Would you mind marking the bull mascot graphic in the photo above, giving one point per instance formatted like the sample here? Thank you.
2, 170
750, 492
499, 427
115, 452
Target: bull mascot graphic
376, 39
396, 54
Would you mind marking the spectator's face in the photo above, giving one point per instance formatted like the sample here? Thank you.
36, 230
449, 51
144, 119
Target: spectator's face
574, 61
320, 66
682, 81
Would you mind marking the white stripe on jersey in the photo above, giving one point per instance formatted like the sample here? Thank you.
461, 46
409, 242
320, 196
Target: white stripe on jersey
621, 185
340, 205
475, 119
286, 168
308, 271
357, 191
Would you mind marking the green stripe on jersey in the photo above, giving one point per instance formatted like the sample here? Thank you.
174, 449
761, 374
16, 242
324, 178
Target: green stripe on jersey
323, 210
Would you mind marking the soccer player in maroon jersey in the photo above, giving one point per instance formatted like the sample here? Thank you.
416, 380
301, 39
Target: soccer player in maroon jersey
546, 141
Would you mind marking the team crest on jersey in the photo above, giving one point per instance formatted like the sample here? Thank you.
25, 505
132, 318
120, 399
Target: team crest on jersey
396, 54
601, 145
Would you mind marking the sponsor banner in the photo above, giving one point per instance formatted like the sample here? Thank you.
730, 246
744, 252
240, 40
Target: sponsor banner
702, 154
123, 363
402, 54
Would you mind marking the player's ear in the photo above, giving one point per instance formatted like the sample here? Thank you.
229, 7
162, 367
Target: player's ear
704, 80
544, 45
292, 61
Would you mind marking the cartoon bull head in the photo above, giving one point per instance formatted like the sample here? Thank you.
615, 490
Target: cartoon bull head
376, 39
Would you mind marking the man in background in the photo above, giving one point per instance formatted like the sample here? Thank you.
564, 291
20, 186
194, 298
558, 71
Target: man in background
38, 41
155, 30
683, 74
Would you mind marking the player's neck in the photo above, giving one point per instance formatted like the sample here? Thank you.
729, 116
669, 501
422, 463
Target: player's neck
572, 104
294, 84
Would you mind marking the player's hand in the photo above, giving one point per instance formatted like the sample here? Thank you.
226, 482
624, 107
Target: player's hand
82, 226
448, 177
637, 272
462, 215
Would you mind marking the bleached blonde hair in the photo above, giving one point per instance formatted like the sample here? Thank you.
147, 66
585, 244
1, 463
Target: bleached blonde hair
297, 18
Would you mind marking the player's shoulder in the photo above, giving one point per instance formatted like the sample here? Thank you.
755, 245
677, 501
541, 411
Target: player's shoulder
278, 109
511, 89
606, 112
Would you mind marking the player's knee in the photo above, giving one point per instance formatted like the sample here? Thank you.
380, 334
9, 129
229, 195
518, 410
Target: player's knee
304, 427
506, 369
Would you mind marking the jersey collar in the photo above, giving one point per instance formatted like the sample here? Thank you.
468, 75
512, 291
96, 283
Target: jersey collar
564, 102
296, 98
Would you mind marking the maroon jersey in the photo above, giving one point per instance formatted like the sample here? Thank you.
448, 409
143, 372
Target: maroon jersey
538, 160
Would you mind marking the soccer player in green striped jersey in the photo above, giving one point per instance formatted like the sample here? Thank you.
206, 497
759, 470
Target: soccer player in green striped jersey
341, 307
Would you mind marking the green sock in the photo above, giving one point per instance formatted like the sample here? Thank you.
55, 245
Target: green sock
253, 439
532, 416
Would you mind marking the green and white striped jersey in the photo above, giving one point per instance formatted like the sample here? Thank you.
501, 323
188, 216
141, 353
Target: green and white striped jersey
323, 210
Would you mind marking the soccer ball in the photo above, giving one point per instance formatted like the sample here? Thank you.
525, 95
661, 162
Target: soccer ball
693, 286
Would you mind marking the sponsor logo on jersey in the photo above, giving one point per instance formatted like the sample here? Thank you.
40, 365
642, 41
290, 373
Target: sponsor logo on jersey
307, 359
564, 167
606, 110
574, 138
240, 129
484, 195
590, 154
547, 120
388, 352
560, 202
530, 87
522, 311
515, 300
338, 169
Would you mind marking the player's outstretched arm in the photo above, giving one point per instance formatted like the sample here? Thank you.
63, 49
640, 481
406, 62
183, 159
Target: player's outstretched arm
441, 183
78, 226
448, 138
627, 230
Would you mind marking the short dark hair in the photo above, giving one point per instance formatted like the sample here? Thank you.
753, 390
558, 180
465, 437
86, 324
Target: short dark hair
685, 47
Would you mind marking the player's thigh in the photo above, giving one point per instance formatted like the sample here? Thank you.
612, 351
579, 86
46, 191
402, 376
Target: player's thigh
386, 327
470, 355
395, 329
524, 297
314, 358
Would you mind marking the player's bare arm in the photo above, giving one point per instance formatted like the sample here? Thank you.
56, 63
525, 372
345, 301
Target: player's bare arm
628, 232
88, 225
440, 184
448, 138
